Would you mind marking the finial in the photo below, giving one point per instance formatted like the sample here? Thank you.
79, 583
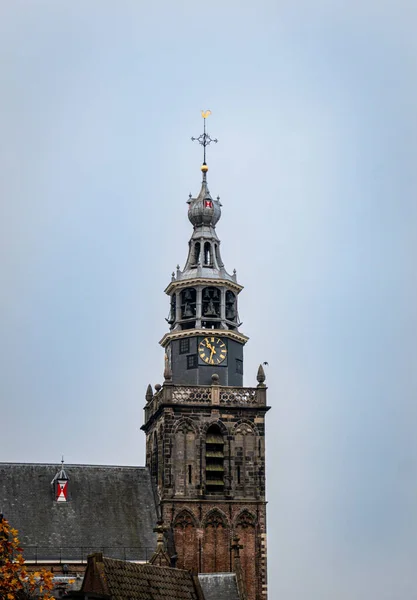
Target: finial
160, 557
205, 140
157, 387
62, 461
172, 276
261, 376
149, 393
159, 530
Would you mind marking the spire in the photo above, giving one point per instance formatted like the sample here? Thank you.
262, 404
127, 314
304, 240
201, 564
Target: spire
210, 299
203, 210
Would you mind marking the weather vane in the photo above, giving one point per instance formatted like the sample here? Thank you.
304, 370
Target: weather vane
204, 139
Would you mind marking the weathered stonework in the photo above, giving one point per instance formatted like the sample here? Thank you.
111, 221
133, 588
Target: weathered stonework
204, 520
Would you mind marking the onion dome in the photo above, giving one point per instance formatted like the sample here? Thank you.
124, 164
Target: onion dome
203, 210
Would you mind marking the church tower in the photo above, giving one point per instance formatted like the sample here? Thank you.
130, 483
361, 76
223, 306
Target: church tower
205, 432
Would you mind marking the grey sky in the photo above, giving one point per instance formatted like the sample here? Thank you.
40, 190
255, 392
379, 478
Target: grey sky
314, 105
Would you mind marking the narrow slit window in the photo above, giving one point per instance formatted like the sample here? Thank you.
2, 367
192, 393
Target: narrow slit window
238, 475
190, 474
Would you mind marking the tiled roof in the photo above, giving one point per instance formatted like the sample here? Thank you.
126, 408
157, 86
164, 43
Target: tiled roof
219, 586
110, 508
122, 580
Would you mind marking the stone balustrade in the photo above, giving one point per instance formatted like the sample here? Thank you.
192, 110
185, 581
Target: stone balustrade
214, 395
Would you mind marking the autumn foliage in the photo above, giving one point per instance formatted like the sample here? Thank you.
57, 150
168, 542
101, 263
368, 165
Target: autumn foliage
16, 583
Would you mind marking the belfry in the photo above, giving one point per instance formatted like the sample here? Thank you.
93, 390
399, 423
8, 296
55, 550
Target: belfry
205, 432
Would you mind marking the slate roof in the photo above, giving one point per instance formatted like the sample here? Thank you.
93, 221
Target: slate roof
121, 580
219, 586
110, 509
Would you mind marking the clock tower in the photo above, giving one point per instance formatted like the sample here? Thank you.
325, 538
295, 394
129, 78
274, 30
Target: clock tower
205, 432
204, 336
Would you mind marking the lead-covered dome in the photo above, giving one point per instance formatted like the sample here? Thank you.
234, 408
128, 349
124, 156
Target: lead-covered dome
203, 210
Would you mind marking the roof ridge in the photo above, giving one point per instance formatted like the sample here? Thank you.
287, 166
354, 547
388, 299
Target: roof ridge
54, 464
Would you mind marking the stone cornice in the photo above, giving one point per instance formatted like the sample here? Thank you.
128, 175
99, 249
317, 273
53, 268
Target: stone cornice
204, 281
184, 333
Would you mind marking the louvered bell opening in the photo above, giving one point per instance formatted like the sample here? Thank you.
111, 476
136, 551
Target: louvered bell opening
214, 453
215, 438
214, 461
214, 467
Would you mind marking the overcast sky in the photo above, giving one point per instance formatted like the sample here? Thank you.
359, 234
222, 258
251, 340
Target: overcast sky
314, 105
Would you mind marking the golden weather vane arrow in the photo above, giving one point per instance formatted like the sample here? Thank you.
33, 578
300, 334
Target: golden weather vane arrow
204, 139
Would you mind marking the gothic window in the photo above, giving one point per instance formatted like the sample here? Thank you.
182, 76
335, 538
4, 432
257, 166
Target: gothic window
192, 361
185, 458
216, 542
245, 520
184, 346
214, 459
246, 530
186, 543
244, 452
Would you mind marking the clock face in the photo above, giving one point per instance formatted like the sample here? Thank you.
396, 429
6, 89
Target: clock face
212, 350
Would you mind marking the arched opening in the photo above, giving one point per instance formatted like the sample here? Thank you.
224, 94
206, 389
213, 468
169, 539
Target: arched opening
207, 254
211, 308
214, 459
172, 310
217, 255
197, 247
230, 306
188, 307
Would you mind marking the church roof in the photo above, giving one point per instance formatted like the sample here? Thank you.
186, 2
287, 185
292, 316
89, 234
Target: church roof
121, 580
109, 508
219, 586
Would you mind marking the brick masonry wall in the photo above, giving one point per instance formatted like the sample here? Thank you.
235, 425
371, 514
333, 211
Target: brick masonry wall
204, 522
